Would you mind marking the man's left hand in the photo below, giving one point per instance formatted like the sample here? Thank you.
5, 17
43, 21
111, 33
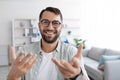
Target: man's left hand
72, 69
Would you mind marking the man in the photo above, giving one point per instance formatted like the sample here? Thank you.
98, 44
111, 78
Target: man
53, 59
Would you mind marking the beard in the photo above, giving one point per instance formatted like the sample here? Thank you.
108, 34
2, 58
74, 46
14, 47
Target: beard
49, 39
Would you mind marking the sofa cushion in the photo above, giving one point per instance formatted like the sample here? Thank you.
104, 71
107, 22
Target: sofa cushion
85, 52
105, 58
95, 53
111, 52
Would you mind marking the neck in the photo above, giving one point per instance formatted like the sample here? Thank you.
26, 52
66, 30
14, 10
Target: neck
48, 47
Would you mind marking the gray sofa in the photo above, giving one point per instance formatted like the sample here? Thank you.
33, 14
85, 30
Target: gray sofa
111, 68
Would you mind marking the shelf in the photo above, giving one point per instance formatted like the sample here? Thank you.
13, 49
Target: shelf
19, 45
24, 32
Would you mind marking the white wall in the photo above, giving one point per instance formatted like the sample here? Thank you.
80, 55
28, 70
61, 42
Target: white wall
100, 20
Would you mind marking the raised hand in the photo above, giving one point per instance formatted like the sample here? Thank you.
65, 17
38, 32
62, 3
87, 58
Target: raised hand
20, 66
72, 69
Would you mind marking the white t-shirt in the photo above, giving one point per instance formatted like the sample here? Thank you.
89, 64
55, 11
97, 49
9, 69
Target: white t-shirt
47, 70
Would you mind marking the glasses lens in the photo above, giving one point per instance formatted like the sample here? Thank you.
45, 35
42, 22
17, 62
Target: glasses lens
56, 23
45, 22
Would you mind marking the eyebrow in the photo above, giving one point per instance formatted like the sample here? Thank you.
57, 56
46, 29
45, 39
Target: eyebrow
52, 20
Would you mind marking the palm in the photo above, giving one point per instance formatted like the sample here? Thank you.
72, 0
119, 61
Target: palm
71, 69
20, 66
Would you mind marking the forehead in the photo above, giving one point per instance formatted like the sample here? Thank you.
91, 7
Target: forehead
50, 16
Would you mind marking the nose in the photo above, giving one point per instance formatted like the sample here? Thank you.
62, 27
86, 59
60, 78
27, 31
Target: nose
50, 26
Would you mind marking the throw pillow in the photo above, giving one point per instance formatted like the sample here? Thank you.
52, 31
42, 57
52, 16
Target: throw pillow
105, 58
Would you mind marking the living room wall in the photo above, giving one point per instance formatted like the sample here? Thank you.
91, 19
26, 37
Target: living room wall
100, 22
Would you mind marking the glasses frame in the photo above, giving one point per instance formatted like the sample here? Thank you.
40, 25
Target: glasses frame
55, 23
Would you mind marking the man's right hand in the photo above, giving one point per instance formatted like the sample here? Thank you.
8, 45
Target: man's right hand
20, 66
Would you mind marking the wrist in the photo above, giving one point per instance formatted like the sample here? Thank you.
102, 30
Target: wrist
74, 78
12, 77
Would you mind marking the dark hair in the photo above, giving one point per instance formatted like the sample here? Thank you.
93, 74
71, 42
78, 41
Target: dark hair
51, 9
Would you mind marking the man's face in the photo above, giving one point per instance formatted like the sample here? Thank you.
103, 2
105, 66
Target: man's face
50, 26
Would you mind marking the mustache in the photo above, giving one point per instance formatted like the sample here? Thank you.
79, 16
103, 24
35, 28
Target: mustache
50, 31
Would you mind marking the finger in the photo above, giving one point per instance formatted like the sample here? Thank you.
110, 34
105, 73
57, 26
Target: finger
73, 69
63, 69
66, 74
18, 59
79, 52
57, 62
13, 55
62, 64
26, 58
67, 66
31, 62
75, 62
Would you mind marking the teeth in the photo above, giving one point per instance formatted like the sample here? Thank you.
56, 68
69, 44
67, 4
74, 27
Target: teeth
49, 32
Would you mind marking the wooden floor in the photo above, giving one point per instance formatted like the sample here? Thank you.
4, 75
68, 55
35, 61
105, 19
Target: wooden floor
4, 72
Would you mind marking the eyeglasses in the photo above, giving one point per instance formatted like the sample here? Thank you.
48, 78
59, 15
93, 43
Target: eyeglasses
46, 22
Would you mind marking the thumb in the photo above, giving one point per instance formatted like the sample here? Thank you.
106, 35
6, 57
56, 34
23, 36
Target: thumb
75, 62
13, 55
79, 52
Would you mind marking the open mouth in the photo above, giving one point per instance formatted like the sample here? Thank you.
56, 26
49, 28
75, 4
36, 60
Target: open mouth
49, 33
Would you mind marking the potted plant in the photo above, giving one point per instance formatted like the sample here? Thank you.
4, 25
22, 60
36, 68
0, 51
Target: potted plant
79, 41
